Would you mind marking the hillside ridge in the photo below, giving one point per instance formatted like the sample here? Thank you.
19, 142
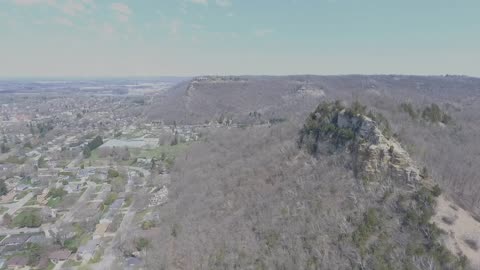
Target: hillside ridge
379, 160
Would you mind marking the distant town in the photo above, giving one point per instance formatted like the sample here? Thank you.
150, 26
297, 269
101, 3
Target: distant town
79, 171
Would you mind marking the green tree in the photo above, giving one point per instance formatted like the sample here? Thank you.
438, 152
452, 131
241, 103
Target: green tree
95, 143
113, 173
87, 152
175, 140
3, 188
142, 243
28, 219
110, 198
4, 148
33, 252
408, 108
28, 145
57, 192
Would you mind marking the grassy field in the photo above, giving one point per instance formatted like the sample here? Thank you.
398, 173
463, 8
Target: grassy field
28, 218
98, 256
53, 202
168, 152
22, 194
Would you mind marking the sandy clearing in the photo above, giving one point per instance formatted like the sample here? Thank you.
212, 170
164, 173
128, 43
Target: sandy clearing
463, 227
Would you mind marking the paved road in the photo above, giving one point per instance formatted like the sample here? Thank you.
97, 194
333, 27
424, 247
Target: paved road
68, 217
13, 207
75, 161
109, 254
19, 230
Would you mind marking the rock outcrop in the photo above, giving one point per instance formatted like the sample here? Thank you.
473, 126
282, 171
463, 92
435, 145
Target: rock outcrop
375, 155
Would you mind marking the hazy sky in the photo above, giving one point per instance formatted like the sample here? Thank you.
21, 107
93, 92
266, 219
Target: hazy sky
195, 37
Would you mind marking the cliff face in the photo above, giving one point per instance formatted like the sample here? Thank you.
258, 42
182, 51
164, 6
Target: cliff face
374, 155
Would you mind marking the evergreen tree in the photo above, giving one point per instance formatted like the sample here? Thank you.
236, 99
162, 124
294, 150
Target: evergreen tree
3, 188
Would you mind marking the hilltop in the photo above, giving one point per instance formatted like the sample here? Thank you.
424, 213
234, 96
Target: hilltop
436, 118
349, 197
211, 98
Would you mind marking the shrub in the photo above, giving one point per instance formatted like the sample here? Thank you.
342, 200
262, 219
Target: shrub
448, 220
3, 188
147, 225
472, 243
110, 198
370, 224
408, 108
113, 173
142, 243
436, 191
57, 192
175, 230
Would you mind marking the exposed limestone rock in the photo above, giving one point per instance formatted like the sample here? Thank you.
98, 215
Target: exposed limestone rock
375, 155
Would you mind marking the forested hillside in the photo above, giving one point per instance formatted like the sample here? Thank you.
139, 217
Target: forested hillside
336, 191
437, 119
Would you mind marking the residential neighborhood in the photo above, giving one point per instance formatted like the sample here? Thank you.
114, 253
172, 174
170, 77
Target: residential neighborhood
77, 174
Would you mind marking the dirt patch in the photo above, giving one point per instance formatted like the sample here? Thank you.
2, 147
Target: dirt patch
463, 230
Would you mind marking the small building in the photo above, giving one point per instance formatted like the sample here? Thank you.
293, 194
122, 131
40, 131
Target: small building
8, 197
38, 238
21, 187
100, 230
17, 262
59, 255
42, 263
73, 187
42, 199
15, 240
85, 173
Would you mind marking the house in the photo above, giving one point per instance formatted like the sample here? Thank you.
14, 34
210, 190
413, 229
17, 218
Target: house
33, 153
49, 212
85, 173
15, 240
17, 262
6, 167
73, 187
8, 197
21, 187
43, 263
59, 255
37, 238
43, 198
100, 230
